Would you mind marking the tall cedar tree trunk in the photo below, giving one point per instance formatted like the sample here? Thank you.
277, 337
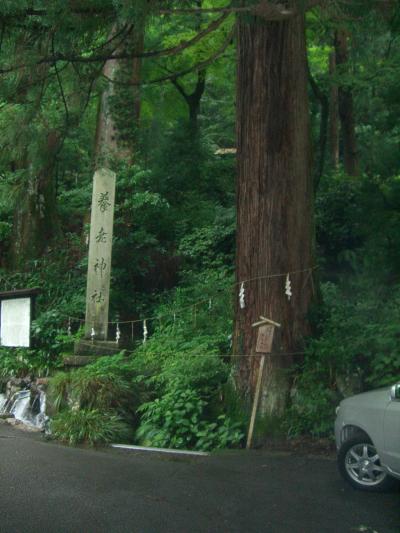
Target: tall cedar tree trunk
106, 147
118, 123
136, 79
35, 216
117, 126
274, 198
333, 116
35, 221
346, 109
323, 100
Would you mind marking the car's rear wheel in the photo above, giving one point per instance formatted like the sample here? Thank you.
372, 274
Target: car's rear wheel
360, 465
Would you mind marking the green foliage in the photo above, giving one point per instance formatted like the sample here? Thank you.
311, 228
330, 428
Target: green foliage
89, 426
339, 217
187, 324
313, 409
358, 348
106, 385
95, 404
20, 362
358, 225
176, 420
213, 245
180, 356
187, 378
184, 389
187, 386
58, 391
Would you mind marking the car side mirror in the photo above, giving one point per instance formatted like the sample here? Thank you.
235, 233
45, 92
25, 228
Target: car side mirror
395, 392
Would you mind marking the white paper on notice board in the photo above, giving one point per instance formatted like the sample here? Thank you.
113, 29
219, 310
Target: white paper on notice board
15, 322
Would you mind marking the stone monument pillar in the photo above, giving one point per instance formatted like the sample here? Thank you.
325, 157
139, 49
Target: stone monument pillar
95, 342
100, 246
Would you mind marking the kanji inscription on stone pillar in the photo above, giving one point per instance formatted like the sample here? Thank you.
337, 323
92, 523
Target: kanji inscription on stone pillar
100, 249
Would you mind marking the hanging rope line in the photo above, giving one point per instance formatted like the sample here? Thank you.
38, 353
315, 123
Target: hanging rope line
281, 275
131, 352
208, 300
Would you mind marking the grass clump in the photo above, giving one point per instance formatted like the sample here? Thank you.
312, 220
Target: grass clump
89, 426
107, 385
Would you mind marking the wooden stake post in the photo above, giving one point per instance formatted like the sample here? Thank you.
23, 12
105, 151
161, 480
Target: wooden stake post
265, 339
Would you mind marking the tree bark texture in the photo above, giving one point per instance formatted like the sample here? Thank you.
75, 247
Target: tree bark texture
106, 146
35, 217
35, 221
274, 199
333, 116
117, 124
137, 77
346, 109
323, 130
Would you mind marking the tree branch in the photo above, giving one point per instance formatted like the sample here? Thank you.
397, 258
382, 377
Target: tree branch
198, 66
200, 85
179, 88
198, 91
124, 55
264, 9
32, 12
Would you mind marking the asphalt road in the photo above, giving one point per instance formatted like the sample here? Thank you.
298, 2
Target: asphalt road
46, 487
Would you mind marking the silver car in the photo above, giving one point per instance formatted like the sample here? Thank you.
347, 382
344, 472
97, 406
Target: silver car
367, 432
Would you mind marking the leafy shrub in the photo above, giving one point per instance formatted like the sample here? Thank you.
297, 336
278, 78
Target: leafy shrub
203, 372
358, 349
89, 426
213, 245
224, 433
187, 408
187, 329
176, 420
338, 216
22, 361
312, 411
183, 373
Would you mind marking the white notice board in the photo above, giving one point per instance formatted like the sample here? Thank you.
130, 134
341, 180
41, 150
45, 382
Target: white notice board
15, 322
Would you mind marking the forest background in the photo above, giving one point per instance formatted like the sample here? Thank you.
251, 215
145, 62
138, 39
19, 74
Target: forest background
164, 115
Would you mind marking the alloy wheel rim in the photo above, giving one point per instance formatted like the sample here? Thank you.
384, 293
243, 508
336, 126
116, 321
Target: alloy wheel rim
363, 465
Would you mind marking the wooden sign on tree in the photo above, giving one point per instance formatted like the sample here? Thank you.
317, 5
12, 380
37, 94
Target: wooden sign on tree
264, 346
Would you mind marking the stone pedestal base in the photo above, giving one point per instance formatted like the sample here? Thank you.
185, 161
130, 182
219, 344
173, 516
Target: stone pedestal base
88, 347
78, 360
87, 351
